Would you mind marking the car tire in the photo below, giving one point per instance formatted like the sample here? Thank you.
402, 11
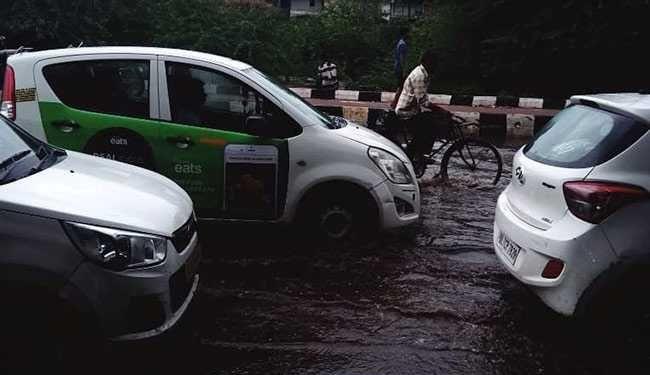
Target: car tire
42, 335
338, 214
620, 311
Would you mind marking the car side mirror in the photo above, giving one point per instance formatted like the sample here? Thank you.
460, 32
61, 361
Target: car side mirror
258, 126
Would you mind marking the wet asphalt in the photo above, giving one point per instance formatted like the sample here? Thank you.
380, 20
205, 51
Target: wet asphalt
427, 299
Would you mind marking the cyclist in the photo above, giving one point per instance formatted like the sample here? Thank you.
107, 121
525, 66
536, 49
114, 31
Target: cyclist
425, 120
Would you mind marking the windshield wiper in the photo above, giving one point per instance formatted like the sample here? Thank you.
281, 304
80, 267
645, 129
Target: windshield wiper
8, 165
339, 122
14, 158
47, 156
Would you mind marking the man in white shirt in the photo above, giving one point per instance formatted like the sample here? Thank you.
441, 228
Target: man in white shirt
427, 121
327, 75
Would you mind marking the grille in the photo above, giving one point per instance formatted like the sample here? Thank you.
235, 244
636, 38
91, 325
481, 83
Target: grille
183, 235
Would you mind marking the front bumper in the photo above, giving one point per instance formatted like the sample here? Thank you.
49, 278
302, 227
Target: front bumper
582, 247
399, 205
138, 303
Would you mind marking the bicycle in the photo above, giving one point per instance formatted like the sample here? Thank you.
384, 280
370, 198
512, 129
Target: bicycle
472, 159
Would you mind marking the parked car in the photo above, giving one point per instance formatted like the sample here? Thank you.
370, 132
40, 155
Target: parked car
89, 245
573, 222
243, 146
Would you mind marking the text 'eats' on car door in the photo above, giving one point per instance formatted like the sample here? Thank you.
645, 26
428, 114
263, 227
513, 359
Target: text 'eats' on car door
223, 142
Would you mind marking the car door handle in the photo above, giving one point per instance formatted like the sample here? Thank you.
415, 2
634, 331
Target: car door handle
66, 126
181, 142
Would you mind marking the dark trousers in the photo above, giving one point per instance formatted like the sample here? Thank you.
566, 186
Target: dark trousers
399, 76
426, 127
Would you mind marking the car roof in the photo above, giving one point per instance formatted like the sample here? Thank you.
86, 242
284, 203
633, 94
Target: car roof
80, 51
630, 104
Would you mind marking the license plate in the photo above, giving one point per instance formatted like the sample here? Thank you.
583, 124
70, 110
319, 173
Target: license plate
192, 264
509, 248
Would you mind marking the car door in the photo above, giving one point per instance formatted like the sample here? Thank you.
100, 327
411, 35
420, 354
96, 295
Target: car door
206, 148
103, 105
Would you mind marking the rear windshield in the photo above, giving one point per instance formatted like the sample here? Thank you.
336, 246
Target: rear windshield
582, 137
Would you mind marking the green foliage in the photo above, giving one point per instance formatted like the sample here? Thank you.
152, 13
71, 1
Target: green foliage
250, 34
554, 47
443, 31
561, 47
52, 23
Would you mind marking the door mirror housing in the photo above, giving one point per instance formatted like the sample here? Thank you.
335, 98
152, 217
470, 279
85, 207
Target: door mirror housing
258, 126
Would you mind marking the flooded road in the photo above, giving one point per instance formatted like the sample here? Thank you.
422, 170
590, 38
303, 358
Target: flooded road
428, 299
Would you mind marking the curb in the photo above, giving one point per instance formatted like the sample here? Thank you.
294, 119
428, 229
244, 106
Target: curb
443, 99
500, 128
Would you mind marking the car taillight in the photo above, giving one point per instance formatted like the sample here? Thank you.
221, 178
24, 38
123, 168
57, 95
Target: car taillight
553, 269
8, 105
593, 201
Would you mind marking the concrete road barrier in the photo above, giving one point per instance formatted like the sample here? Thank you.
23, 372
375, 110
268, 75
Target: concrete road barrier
443, 99
502, 118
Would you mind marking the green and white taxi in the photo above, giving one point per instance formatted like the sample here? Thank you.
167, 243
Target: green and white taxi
243, 146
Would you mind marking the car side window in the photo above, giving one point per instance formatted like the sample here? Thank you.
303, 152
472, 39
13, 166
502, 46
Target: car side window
119, 87
210, 99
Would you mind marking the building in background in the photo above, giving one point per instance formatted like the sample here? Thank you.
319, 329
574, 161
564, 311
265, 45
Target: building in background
301, 7
265, 3
391, 9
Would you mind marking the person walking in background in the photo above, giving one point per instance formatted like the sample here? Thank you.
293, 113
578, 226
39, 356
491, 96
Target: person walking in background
327, 75
401, 49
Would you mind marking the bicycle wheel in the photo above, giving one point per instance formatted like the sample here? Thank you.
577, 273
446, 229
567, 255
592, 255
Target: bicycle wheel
471, 162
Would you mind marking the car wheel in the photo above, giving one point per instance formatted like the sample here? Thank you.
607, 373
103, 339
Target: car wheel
339, 215
37, 326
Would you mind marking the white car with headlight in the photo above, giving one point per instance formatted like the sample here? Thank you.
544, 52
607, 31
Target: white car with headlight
89, 243
572, 223
242, 145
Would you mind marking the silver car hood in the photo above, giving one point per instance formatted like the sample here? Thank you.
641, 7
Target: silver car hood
91, 190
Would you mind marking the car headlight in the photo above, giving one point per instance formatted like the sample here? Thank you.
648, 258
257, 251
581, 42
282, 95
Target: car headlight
117, 249
392, 167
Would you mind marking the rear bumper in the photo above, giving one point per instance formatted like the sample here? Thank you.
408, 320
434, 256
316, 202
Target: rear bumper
582, 247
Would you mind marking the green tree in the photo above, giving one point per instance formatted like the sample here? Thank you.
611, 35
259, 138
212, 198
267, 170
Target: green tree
53, 23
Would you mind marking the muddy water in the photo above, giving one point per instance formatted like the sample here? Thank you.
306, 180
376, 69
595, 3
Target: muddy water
429, 299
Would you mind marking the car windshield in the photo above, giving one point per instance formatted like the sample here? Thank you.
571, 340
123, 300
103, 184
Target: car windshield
278, 90
581, 137
21, 154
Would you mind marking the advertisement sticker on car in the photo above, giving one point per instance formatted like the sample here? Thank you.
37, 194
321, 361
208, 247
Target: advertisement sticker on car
250, 181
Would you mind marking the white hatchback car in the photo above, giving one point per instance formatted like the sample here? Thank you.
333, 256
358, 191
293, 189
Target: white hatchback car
574, 219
